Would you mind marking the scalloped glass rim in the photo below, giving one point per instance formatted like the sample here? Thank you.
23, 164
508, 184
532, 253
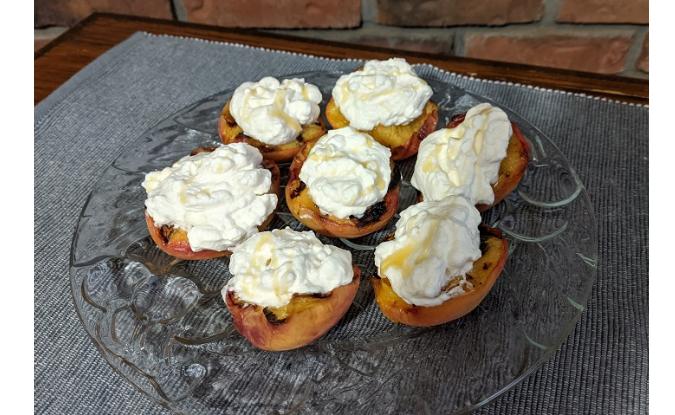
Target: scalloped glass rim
524, 211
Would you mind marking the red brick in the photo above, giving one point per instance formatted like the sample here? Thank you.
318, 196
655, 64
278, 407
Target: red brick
590, 53
387, 37
275, 13
643, 60
604, 11
435, 46
458, 12
69, 12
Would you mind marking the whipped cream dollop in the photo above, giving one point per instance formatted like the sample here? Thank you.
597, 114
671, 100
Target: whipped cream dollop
270, 267
435, 245
274, 112
464, 160
220, 198
346, 171
382, 93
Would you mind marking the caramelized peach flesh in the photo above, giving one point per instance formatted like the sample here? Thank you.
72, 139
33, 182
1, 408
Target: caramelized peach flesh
174, 241
303, 320
230, 132
483, 275
403, 140
303, 208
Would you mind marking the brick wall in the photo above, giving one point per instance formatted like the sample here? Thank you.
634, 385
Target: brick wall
602, 36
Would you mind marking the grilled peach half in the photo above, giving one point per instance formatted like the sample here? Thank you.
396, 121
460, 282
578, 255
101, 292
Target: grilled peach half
302, 206
174, 241
230, 132
403, 140
483, 275
300, 322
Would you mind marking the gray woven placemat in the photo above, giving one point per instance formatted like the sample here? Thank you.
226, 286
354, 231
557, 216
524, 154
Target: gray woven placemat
84, 125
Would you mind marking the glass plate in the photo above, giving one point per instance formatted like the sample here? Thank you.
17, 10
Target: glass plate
162, 323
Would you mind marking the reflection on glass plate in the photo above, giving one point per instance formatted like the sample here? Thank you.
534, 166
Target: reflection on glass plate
163, 325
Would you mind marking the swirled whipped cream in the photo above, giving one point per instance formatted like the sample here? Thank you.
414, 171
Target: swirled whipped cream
274, 112
382, 93
435, 245
220, 198
270, 267
464, 160
346, 172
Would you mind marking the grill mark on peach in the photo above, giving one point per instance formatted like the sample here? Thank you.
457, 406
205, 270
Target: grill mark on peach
165, 231
320, 295
371, 215
483, 245
271, 317
296, 192
375, 211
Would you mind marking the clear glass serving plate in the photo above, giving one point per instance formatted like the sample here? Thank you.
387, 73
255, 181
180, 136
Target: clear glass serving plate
162, 323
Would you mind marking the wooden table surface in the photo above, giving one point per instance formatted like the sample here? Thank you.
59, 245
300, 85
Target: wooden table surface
70, 52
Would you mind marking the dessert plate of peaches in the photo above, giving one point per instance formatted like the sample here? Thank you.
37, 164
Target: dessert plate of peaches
374, 241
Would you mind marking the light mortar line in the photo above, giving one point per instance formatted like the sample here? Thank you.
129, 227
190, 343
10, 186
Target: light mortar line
179, 10
634, 54
48, 32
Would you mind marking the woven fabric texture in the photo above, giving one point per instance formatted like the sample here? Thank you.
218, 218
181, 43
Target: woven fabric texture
83, 126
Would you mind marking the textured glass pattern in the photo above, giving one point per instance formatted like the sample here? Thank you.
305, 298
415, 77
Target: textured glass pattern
162, 323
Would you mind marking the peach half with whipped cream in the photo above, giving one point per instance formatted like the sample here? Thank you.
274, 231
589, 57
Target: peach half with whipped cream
438, 266
210, 201
276, 117
387, 100
343, 185
288, 288
481, 155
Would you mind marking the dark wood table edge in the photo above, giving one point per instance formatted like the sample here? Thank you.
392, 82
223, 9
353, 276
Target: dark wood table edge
618, 88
